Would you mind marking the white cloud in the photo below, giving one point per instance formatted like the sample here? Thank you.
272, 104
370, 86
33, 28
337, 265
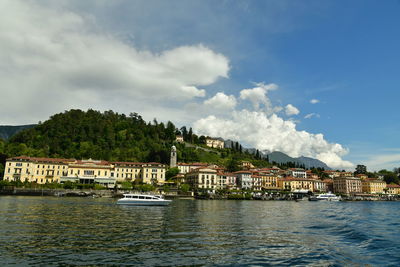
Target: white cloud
311, 115
314, 101
221, 101
272, 133
54, 59
258, 95
291, 110
377, 162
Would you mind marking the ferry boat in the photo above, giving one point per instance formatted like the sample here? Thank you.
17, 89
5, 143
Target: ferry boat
143, 200
326, 196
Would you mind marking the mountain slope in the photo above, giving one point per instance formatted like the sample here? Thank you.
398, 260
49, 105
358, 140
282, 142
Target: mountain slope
280, 157
7, 131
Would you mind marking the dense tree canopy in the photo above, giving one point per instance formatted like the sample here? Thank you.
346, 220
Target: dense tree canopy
116, 137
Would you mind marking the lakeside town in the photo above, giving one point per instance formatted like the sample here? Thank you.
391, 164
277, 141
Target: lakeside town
198, 179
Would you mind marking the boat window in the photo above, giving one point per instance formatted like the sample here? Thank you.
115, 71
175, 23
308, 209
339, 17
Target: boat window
128, 196
135, 197
148, 197
141, 197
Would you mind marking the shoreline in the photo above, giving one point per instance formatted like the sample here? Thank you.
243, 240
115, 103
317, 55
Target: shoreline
117, 194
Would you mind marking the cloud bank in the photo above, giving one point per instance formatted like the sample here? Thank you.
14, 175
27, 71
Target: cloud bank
52, 60
270, 132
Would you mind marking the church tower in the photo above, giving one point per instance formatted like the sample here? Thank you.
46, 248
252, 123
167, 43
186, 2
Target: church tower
173, 157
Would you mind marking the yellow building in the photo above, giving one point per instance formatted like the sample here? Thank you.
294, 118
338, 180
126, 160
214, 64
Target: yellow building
39, 170
347, 185
215, 142
393, 189
202, 178
153, 173
269, 181
48, 170
127, 171
90, 172
293, 183
373, 186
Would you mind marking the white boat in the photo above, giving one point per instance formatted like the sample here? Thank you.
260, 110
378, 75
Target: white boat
143, 200
326, 196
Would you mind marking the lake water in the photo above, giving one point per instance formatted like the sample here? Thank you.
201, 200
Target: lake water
86, 231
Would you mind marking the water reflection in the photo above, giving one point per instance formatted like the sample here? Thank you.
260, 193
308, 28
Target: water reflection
70, 231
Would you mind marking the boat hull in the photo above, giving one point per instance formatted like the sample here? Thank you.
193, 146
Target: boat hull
144, 203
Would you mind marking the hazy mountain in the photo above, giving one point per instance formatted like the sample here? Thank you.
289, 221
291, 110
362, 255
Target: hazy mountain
280, 157
7, 131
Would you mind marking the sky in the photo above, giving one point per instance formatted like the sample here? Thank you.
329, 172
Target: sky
308, 78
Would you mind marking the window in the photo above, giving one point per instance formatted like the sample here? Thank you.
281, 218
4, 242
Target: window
18, 164
88, 172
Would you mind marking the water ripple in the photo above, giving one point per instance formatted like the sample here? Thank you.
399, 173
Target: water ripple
84, 231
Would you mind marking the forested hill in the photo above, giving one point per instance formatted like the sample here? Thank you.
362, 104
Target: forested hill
116, 137
92, 134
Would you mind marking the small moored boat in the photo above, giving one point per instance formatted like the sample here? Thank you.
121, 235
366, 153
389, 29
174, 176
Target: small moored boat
143, 200
326, 196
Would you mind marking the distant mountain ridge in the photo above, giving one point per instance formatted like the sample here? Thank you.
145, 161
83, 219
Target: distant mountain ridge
280, 157
7, 131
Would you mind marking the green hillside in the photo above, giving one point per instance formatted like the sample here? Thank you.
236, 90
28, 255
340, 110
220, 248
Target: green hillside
115, 137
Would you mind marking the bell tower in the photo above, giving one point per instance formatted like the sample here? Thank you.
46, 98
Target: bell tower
173, 157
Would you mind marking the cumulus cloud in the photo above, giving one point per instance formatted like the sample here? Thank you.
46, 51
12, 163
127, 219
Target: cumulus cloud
314, 101
291, 110
272, 133
258, 95
221, 101
311, 115
54, 59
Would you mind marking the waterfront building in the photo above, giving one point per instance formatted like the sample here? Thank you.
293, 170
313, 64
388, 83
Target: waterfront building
226, 180
188, 167
243, 179
48, 170
256, 181
373, 186
297, 172
127, 171
329, 184
294, 183
319, 186
90, 172
215, 142
202, 178
393, 189
347, 185
38, 170
269, 181
153, 173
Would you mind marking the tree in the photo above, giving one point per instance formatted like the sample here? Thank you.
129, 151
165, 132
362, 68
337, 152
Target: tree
184, 188
233, 165
391, 177
171, 172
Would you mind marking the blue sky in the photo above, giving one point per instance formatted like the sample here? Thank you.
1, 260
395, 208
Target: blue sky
343, 53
